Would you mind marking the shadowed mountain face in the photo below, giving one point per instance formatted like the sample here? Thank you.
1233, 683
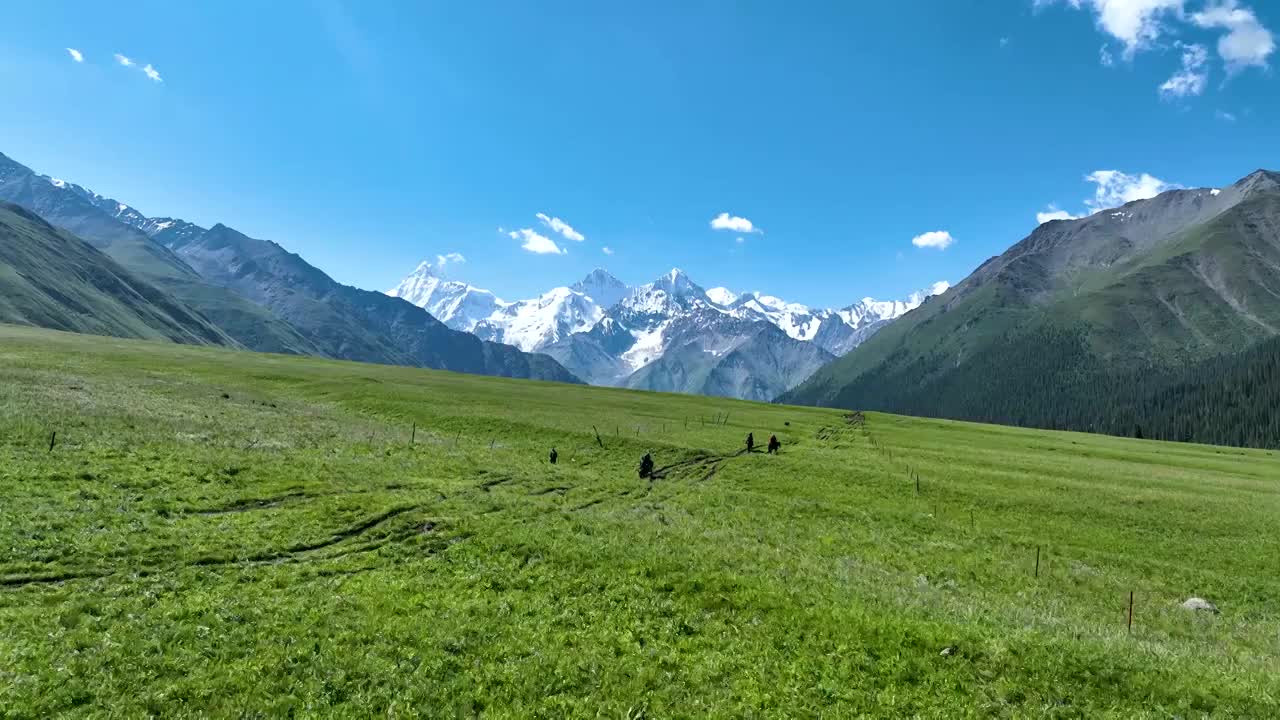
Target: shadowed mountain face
348, 322
1032, 336
81, 212
50, 278
259, 295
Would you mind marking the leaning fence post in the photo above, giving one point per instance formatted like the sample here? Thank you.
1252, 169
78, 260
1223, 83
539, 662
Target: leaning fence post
53, 439
413, 434
1130, 612
1037, 561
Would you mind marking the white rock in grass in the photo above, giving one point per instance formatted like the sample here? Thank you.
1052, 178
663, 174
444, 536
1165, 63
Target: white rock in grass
1196, 603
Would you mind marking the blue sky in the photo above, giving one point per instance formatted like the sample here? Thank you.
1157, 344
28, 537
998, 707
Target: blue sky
368, 136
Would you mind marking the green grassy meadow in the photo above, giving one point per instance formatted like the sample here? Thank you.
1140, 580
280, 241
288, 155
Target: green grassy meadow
221, 533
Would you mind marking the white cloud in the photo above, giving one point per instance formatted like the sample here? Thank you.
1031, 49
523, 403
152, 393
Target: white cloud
452, 258
725, 221
606, 250
536, 243
562, 227
123, 60
739, 240
939, 239
1225, 116
1135, 23
1193, 76
152, 73
1246, 43
1140, 25
75, 55
1053, 213
1116, 188
1004, 42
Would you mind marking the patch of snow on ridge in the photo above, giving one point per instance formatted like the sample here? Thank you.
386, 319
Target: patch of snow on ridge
722, 296
647, 348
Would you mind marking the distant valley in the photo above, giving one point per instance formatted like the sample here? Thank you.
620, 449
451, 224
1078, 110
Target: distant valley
670, 334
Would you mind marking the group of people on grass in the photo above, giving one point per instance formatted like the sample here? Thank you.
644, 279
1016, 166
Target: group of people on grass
774, 445
646, 462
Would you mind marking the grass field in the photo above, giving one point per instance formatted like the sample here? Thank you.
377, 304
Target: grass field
229, 534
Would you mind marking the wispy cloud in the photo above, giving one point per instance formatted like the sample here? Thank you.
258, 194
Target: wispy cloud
936, 239
562, 227
1193, 76
1140, 25
1113, 189
1247, 42
152, 73
1116, 188
536, 243
75, 55
453, 258
1137, 24
123, 60
1053, 213
606, 250
725, 221
1225, 116
740, 240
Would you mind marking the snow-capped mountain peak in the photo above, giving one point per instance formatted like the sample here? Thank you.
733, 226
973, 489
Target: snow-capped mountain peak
456, 304
602, 287
722, 296
607, 332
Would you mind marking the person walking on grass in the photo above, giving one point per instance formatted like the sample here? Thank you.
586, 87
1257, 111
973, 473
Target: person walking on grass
646, 466
751, 442
554, 455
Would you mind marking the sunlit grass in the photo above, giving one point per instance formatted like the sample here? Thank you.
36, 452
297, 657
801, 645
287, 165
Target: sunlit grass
226, 533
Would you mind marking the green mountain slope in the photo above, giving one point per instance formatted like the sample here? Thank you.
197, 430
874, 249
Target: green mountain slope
264, 297
49, 278
71, 208
1035, 335
347, 322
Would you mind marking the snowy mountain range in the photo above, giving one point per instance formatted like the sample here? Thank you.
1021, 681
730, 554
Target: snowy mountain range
669, 334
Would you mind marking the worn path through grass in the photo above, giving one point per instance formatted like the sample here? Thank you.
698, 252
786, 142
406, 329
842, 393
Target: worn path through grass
222, 533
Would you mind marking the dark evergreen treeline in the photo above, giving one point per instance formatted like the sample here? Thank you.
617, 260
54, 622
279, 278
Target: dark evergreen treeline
1050, 379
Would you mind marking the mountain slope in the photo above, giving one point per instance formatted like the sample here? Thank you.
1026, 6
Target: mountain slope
263, 296
1031, 335
49, 278
757, 364
456, 304
669, 335
347, 322
86, 215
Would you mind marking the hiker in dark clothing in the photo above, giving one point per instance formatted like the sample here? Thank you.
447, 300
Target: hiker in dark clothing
646, 466
751, 442
774, 445
554, 455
